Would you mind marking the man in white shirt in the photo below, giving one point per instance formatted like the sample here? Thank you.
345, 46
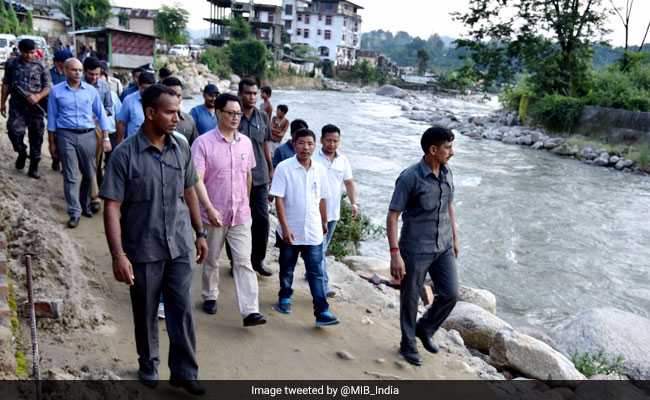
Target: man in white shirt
339, 172
300, 187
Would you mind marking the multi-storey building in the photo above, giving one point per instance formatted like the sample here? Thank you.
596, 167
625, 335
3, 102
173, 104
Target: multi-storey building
331, 27
265, 21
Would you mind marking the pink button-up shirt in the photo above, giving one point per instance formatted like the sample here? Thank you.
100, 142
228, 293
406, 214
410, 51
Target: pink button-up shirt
224, 167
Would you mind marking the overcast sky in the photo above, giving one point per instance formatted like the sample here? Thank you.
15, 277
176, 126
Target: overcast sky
417, 17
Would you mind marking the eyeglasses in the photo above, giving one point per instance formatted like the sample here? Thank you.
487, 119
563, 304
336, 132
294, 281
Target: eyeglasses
232, 114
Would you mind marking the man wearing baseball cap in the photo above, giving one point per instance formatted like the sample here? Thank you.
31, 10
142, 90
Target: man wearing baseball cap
204, 115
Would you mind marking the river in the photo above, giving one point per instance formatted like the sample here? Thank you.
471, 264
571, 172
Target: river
549, 236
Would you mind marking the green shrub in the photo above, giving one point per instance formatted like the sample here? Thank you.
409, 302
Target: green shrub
591, 364
617, 89
557, 112
351, 231
218, 61
461, 79
511, 97
248, 57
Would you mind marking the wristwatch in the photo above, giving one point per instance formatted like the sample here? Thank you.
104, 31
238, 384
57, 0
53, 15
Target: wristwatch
202, 234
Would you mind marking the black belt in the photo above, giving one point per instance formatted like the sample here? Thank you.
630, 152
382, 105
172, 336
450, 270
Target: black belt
79, 131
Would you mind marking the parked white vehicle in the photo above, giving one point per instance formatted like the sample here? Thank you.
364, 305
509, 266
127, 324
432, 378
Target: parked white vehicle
7, 43
179, 50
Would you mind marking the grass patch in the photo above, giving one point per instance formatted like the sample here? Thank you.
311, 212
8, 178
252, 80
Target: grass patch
582, 141
21, 365
641, 156
591, 364
351, 231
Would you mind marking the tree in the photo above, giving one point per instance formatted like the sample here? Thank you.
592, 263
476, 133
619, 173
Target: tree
87, 13
240, 29
171, 23
423, 61
248, 57
551, 37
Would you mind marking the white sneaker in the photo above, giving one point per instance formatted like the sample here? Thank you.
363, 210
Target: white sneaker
161, 311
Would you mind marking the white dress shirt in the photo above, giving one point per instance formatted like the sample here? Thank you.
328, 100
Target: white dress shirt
338, 170
301, 190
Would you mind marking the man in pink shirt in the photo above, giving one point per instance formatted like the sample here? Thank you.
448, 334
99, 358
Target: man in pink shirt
224, 158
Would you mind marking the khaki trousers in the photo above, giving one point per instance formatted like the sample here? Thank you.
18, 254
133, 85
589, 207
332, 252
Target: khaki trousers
239, 239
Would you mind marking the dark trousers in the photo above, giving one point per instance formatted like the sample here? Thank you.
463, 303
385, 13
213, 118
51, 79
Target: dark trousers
26, 119
442, 269
312, 256
172, 279
259, 203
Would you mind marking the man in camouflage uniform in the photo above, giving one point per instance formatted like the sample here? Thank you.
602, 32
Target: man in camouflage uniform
26, 82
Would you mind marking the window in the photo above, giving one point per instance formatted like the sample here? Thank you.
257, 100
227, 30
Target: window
288, 9
328, 34
287, 24
306, 18
320, 17
306, 33
343, 37
319, 32
299, 17
328, 20
298, 31
271, 18
345, 21
324, 51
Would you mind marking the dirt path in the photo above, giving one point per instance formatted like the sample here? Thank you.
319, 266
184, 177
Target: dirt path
288, 347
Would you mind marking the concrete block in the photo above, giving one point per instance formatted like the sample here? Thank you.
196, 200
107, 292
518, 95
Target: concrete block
45, 308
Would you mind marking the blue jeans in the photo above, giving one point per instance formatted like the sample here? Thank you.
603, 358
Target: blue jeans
331, 225
312, 256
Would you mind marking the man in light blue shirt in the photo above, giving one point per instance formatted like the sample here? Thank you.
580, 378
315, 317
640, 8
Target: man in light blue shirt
131, 115
74, 108
204, 115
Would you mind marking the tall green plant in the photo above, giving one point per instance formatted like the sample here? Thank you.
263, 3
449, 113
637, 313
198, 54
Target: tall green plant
87, 13
248, 57
171, 24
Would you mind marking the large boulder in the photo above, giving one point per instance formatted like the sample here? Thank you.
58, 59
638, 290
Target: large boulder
602, 160
366, 264
480, 297
477, 326
565, 149
533, 358
613, 332
391, 91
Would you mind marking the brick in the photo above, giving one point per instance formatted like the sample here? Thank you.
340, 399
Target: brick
4, 263
45, 308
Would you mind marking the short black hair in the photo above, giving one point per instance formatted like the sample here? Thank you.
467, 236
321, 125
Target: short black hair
283, 108
91, 63
135, 71
172, 81
304, 132
329, 128
435, 136
223, 99
151, 95
246, 82
266, 90
26, 45
145, 78
296, 125
164, 72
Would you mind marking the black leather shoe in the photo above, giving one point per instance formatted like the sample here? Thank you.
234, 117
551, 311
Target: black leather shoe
427, 341
150, 383
262, 270
412, 357
254, 319
210, 306
95, 206
56, 165
190, 386
20, 161
34, 174
73, 222
87, 214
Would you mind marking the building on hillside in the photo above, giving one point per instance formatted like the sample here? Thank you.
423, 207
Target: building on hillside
137, 20
265, 21
379, 61
123, 49
331, 27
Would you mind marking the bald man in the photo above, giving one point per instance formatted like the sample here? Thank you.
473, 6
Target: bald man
74, 109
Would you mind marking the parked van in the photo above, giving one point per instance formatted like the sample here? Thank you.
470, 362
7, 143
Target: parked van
7, 43
40, 43
179, 50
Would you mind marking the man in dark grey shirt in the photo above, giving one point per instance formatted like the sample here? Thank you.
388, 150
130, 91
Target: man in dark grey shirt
185, 125
150, 204
424, 195
256, 126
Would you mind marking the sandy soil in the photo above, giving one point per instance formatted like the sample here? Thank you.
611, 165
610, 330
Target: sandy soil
95, 339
